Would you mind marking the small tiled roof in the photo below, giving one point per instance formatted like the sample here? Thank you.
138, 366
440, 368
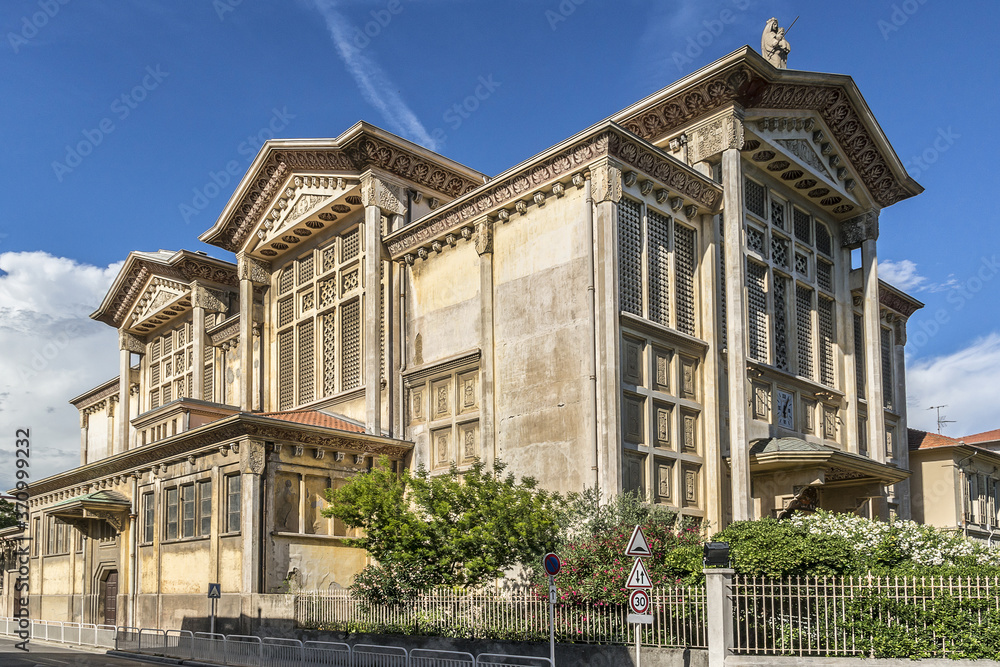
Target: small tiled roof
985, 436
925, 440
317, 418
768, 445
103, 497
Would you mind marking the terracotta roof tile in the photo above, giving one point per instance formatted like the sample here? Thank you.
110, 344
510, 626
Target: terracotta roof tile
925, 440
316, 418
986, 436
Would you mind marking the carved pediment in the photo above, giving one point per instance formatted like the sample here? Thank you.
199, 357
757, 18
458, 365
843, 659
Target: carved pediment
161, 296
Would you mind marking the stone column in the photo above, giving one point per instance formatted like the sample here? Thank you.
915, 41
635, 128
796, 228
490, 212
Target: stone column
127, 344
708, 291
484, 246
251, 503
203, 300
84, 435
379, 198
736, 355
863, 231
719, 614
252, 271
901, 443
606, 188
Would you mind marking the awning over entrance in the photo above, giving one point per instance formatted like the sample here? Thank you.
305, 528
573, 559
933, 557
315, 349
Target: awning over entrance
102, 505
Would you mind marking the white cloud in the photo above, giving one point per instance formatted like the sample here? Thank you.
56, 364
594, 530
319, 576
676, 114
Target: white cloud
52, 351
902, 274
965, 381
376, 87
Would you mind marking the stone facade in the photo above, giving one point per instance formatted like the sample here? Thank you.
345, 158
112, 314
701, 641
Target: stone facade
665, 303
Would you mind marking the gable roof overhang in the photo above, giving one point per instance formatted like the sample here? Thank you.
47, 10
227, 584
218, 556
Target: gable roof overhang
831, 466
519, 186
359, 149
744, 78
142, 269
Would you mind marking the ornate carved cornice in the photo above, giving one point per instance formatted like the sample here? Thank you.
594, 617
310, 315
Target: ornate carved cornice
517, 187
364, 151
897, 302
230, 330
859, 229
223, 433
750, 84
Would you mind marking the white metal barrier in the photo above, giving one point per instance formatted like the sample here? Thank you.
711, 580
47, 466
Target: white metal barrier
423, 657
371, 655
326, 654
243, 651
208, 646
490, 659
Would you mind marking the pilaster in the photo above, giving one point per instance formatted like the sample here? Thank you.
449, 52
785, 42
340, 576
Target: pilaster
736, 355
484, 246
203, 300
251, 271
707, 292
606, 183
901, 444
252, 469
127, 344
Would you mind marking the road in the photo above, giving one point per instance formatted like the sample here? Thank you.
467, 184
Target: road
50, 655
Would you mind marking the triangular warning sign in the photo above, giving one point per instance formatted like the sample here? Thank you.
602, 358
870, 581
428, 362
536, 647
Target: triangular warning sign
214, 591
638, 578
637, 546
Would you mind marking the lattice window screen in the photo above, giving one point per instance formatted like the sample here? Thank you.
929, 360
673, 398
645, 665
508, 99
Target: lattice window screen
154, 353
755, 196
823, 241
286, 312
824, 275
350, 245
827, 335
781, 322
305, 266
779, 250
307, 361
630, 256
778, 213
803, 329
350, 345
329, 346
757, 311
859, 354
887, 379
803, 230
684, 251
659, 268
287, 281
208, 387
286, 369
329, 257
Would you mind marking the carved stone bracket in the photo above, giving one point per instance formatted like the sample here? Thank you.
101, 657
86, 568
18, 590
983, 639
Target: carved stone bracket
484, 236
131, 342
252, 460
209, 299
859, 229
607, 182
388, 197
715, 136
253, 269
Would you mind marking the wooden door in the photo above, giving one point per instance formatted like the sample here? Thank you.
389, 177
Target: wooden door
111, 599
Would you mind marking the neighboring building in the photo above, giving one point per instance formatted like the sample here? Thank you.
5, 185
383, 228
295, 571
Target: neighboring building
589, 315
956, 484
987, 440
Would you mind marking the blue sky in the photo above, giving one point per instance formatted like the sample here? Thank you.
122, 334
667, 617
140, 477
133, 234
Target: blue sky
162, 94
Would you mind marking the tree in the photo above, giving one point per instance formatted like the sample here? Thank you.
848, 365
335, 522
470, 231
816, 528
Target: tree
8, 514
454, 529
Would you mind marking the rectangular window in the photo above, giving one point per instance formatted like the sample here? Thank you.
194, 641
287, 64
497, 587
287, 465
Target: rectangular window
757, 311
827, 335
233, 504
205, 508
187, 510
36, 536
756, 197
630, 255
659, 268
803, 329
171, 518
888, 384
684, 243
859, 355
147, 517
50, 546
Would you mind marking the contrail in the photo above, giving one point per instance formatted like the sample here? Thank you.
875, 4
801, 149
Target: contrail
376, 87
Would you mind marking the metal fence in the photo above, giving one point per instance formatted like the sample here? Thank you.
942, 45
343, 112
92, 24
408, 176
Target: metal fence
859, 616
73, 634
678, 617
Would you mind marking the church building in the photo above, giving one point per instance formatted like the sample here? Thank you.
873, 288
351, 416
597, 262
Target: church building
681, 300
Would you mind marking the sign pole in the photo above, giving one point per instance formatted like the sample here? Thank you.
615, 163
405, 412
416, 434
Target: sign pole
552, 620
638, 660
213, 616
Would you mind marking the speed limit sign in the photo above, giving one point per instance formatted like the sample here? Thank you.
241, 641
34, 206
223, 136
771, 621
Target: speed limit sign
638, 602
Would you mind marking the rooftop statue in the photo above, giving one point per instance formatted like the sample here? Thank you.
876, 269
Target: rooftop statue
773, 45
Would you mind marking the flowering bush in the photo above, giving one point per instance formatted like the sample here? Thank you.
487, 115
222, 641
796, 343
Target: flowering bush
899, 543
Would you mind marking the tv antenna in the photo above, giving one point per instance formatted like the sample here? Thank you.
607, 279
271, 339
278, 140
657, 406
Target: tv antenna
941, 421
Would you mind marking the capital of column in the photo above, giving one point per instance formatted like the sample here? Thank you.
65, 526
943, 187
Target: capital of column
719, 133
859, 229
252, 457
209, 299
606, 182
253, 269
484, 236
130, 342
390, 198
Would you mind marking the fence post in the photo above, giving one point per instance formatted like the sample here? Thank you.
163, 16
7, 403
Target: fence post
719, 614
